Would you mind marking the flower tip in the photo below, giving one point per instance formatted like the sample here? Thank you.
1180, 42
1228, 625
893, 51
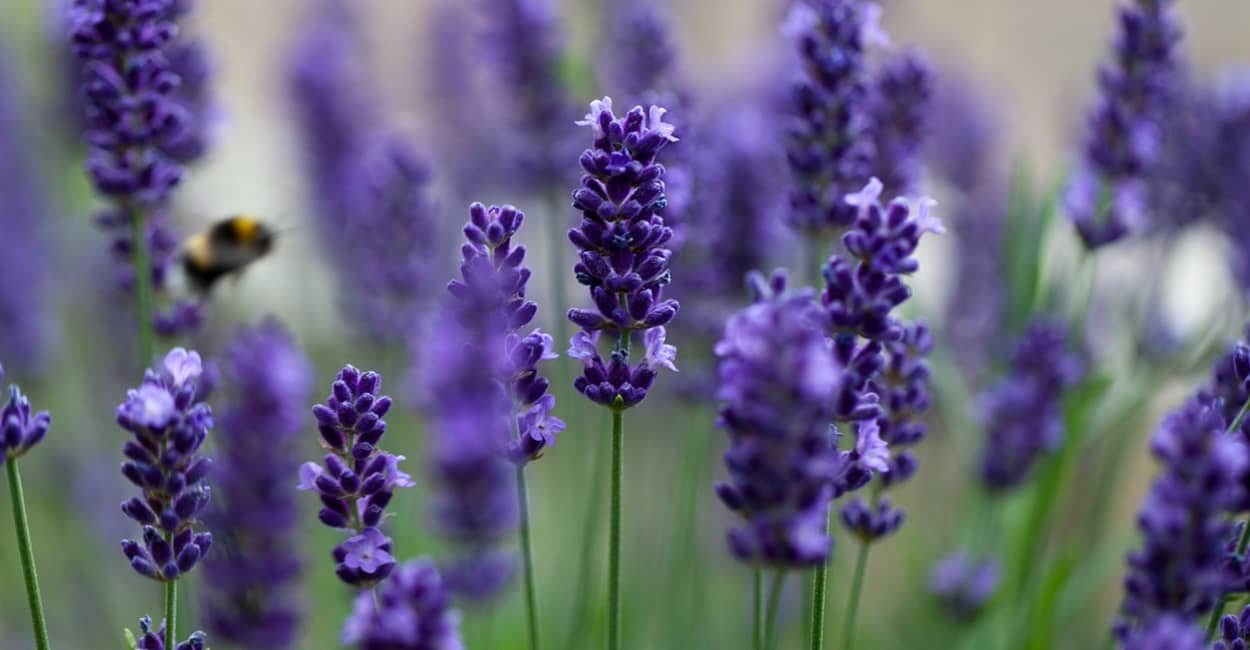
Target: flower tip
926, 220
872, 33
867, 196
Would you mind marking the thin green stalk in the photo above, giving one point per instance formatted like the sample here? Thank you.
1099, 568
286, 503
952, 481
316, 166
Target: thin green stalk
1242, 541
857, 586
758, 608
143, 288
527, 553
614, 534
774, 600
590, 541
26, 550
171, 608
819, 585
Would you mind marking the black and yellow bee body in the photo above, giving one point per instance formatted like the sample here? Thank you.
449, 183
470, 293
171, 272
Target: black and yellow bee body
226, 248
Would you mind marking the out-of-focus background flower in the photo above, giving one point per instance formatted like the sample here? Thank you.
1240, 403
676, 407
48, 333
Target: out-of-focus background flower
1029, 66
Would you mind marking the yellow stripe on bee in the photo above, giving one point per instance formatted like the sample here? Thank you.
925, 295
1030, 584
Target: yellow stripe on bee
245, 228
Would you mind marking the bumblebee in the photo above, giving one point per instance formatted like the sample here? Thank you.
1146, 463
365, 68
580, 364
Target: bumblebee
227, 247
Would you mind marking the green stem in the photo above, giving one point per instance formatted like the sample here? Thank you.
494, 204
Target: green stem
758, 608
171, 609
774, 600
590, 538
1242, 541
819, 585
614, 534
26, 551
143, 288
857, 586
527, 552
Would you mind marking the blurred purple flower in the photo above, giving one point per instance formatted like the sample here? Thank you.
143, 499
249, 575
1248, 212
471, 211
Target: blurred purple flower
777, 382
169, 423
26, 291
412, 611
1106, 196
899, 109
357, 478
1169, 632
622, 256
963, 585
250, 581
1023, 412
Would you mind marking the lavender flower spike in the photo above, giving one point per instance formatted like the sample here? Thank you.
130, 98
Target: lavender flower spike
829, 148
621, 253
411, 612
250, 580
357, 479
777, 382
1106, 195
169, 424
899, 109
19, 429
153, 638
1177, 571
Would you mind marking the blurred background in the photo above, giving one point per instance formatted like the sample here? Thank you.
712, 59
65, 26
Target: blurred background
1030, 66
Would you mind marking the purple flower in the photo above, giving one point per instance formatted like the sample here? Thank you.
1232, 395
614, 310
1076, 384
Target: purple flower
19, 429
777, 382
963, 585
1023, 412
1234, 631
524, 45
169, 424
356, 480
829, 145
25, 291
1177, 572
1106, 195
899, 109
154, 638
639, 73
621, 253
1169, 632
250, 581
412, 612
129, 87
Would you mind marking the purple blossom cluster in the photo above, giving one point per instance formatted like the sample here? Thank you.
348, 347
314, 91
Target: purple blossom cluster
1023, 412
1177, 572
20, 429
133, 117
151, 638
169, 423
899, 106
412, 611
25, 287
829, 143
1234, 633
963, 585
1169, 632
777, 381
492, 281
622, 256
1106, 196
356, 479
251, 579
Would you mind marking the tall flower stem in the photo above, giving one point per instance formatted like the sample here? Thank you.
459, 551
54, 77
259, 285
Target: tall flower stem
26, 550
757, 616
818, 600
774, 601
143, 288
527, 555
852, 606
1243, 541
614, 534
171, 606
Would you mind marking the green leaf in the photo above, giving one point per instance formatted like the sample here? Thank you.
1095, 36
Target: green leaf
131, 643
1044, 607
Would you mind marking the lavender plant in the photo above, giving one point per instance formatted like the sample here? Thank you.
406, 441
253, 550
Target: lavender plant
899, 106
250, 581
1106, 198
151, 638
132, 116
356, 479
623, 262
411, 612
169, 423
963, 584
20, 430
